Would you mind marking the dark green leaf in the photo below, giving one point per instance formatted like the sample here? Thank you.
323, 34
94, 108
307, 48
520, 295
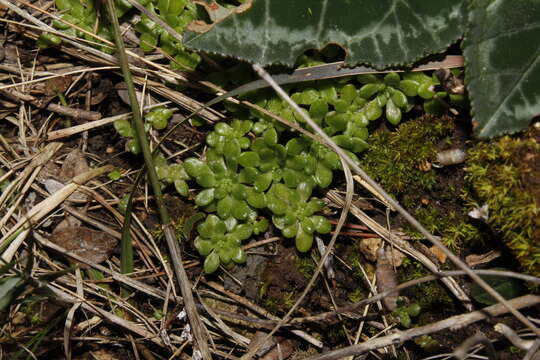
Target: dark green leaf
508, 287
503, 65
8, 289
377, 32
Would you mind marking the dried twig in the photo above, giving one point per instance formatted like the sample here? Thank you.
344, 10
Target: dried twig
453, 323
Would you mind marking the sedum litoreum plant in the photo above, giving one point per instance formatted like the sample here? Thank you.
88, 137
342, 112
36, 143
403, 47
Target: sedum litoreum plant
85, 15
256, 171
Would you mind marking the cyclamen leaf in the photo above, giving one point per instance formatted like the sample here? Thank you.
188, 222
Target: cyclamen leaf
503, 65
376, 32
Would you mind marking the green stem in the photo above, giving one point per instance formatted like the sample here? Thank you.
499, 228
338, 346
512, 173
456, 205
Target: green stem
137, 116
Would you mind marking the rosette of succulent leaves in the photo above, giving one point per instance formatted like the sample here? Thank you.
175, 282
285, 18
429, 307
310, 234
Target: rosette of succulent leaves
255, 170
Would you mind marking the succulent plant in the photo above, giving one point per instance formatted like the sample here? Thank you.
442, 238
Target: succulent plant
172, 174
219, 241
223, 190
253, 166
294, 213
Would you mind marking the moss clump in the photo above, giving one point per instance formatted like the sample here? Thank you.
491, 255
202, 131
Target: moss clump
305, 266
505, 175
452, 226
397, 160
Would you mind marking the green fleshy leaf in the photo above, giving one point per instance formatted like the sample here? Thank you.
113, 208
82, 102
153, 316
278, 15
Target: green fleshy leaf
224, 207
194, 166
304, 189
373, 110
291, 177
205, 197
392, 79
321, 224
318, 109
133, 146
260, 226
313, 206
409, 87
240, 210
309, 96
226, 253
290, 231
303, 240
249, 159
307, 226
276, 205
239, 191
211, 263
399, 98
243, 231
323, 176
348, 93
393, 113
204, 247
239, 256
181, 187
270, 137
248, 175
263, 181
123, 127
425, 90
256, 200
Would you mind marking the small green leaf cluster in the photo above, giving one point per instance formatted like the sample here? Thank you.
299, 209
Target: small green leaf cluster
84, 15
397, 93
177, 14
219, 240
172, 174
406, 312
247, 179
158, 119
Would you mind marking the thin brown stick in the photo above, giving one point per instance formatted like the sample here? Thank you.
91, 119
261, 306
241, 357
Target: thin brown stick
453, 323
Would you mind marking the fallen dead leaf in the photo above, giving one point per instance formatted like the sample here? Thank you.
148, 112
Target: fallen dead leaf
55, 178
57, 85
93, 245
